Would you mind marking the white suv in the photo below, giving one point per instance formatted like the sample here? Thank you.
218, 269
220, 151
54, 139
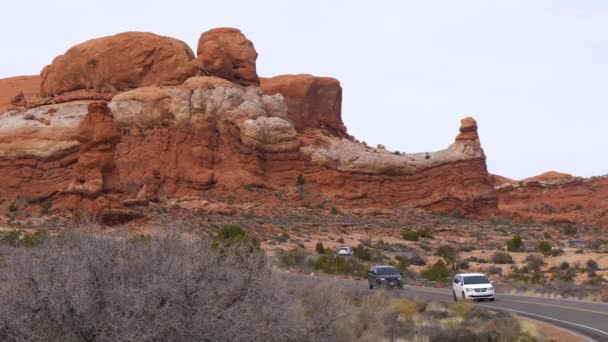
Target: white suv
472, 286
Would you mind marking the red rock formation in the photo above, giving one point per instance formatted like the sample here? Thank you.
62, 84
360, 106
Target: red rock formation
170, 137
117, 63
227, 53
11, 87
556, 197
312, 102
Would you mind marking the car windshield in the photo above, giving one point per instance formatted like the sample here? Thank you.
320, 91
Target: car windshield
387, 271
472, 280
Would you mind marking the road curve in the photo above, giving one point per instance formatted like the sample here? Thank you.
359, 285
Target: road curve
587, 318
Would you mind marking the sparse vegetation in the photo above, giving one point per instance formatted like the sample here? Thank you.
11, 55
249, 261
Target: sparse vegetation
515, 244
45, 207
300, 180
502, 258
436, 272
448, 253
409, 235
544, 247
319, 248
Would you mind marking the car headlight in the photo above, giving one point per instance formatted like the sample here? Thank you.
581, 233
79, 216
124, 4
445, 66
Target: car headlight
398, 278
468, 289
382, 279
491, 288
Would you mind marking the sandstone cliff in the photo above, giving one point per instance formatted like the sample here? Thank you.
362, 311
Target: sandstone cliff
171, 125
556, 198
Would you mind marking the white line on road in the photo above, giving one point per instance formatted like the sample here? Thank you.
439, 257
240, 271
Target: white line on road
545, 317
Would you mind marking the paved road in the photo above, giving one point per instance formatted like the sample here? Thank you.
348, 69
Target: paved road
587, 318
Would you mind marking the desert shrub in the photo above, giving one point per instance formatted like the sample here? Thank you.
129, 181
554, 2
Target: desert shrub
332, 264
564, 265
409, 235
515, 244
494, 270
416, 259
436, 272
592, 265
425, 233
86, 288
448, 253
19, 238
464, 265
570, 229
534, 262
544, 247
334, 210
45, 207
291, 258
234, 235
141, 238
362, 252
502, 258
319, 248
300, 180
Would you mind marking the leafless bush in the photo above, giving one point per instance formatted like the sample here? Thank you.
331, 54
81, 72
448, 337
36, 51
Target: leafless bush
86, 288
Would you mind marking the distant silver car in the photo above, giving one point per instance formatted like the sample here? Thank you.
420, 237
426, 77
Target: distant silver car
345, 251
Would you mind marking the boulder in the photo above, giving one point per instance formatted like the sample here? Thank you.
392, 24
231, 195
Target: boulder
312, 102
227, 53
117, 63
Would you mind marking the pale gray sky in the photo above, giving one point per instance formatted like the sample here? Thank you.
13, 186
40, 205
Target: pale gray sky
533, 73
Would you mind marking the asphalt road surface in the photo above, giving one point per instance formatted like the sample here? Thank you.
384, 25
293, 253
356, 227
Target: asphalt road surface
586, 318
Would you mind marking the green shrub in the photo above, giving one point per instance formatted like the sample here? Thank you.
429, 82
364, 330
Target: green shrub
448, 253
502, 258
544, 247
334, 211
45, 207
234, 235
18, 238
291, 258
141, 238
362, 253
515, 244
320, 248
436, 272
409, 235
332, 264
592, 264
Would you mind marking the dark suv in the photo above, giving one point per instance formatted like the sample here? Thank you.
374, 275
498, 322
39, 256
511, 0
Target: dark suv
386, 276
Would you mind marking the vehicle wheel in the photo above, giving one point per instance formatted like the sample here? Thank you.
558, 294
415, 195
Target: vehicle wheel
455, 298
463, 296
371, 286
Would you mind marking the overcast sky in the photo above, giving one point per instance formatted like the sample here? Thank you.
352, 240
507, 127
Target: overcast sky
533, 73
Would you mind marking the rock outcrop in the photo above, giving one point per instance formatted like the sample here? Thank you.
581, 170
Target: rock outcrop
312, 102
117, 63
555, 197
188, 128
26, 88
227, 53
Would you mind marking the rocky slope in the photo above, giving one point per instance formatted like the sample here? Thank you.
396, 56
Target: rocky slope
555, 197
126, 122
